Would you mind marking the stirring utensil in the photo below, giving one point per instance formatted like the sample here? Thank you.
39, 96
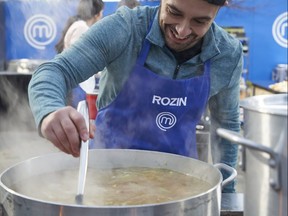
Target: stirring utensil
83, 109
89, 111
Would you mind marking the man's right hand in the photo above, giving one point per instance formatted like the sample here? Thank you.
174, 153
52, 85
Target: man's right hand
65, 128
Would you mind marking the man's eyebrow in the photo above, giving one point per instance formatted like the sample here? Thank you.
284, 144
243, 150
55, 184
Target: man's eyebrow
174, 8
206, 18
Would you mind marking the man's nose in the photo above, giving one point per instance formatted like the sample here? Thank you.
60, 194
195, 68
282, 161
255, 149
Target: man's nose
184, 28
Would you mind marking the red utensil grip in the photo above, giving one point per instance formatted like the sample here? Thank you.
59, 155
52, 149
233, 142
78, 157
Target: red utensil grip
91, 101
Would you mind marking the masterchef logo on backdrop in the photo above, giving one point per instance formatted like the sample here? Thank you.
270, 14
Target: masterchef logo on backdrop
39, 31
166, 120
280, 30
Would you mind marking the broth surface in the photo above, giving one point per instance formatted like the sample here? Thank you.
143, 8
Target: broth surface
117, 187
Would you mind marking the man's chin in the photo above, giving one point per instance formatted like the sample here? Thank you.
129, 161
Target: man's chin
178, 47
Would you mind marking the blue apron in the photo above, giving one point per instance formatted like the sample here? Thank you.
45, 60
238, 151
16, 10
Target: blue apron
153, 112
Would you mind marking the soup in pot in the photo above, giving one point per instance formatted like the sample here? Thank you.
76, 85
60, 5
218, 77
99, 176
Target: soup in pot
115, 187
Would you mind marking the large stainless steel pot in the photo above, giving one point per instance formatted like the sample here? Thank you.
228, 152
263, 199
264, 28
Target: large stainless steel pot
208, 203
264, 154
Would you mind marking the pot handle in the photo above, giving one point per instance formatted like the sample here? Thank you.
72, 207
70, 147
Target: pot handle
239, 139
274, 161
229, 169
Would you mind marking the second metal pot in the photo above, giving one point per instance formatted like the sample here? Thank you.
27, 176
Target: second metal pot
264, 154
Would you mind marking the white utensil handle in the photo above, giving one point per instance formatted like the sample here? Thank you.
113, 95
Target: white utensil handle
83, 109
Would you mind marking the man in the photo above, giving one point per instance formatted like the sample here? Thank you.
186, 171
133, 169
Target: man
162, 66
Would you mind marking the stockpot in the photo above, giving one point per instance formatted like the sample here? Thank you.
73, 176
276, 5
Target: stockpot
207, 203
264, 154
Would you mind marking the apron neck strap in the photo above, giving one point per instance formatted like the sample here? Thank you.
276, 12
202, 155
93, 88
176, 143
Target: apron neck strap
146, 45
144, 52
207, 65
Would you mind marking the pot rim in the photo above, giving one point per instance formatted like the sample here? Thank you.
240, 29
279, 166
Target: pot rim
8, 190
269, 104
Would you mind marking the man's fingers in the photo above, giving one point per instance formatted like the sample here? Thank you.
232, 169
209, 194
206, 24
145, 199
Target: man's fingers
72, 136
51, 136
80, 125
64, 128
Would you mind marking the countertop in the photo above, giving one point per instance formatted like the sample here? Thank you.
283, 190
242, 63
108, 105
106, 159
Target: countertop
5, 73
264, 85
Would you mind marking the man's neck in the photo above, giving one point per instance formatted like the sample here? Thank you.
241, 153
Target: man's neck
185, 55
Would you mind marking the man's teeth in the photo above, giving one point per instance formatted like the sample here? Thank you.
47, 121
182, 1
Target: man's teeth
178, 37
181, 37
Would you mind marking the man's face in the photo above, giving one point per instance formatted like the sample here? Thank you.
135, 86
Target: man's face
185, 22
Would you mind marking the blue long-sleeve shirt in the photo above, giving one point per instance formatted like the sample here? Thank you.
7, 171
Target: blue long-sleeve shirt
113, 44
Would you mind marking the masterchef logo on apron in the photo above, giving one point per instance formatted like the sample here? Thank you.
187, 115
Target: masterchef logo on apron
166, 120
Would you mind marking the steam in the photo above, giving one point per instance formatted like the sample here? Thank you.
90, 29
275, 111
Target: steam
15, 112
19, 139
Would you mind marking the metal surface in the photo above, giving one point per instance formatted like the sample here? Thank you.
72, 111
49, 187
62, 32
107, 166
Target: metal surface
280, 73
203, 136
24, 65
208, 203
264, 154
266, 104
232, 204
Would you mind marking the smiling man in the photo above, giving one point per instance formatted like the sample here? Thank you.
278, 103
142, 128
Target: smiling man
149, 57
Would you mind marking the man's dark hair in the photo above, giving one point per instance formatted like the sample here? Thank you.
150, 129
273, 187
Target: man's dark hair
129, 3
217, 2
